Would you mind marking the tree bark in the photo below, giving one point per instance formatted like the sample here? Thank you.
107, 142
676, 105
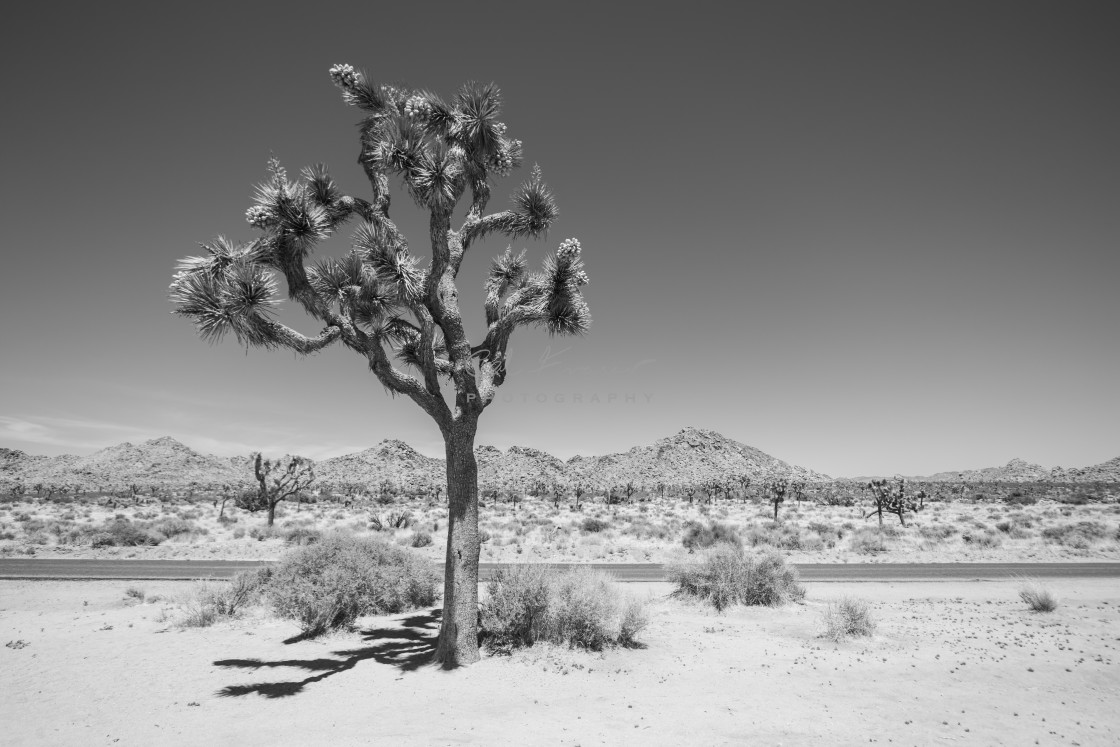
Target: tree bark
458, 634
271, 512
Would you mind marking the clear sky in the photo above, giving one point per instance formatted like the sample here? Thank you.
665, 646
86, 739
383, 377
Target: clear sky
862, 237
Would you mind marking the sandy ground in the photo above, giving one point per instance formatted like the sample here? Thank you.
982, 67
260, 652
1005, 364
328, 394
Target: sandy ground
953, 662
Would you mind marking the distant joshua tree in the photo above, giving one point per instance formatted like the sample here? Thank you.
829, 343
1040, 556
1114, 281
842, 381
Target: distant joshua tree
890, 496
378, 302
744, 484
777, 488
277, 480
578, 491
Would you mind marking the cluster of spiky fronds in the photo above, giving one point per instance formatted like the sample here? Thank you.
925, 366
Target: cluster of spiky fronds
439, 149
551, 297
228, 289
777, 488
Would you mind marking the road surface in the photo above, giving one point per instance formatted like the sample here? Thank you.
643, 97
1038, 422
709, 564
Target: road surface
87, 569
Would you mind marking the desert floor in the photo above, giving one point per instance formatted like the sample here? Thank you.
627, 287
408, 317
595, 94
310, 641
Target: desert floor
537, 531
962, 663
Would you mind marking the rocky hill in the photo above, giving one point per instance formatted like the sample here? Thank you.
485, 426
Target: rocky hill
520, 467
161, 461
391, 460
1018, 470
692, 456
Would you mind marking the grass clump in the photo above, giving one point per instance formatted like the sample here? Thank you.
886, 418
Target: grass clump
728, 576
580, 608
869, 541
1037, 597
331, 583
848, 618
593, 525
120, 532
700, 537
420, 539
209, 601
1078, 536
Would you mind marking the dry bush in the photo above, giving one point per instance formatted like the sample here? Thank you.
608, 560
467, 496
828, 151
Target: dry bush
593, 525
209, 601
984, 540
578, 607
728, 576
700, 537
867, 541
849, 617
1078, 536
331, 583
937, 532
1037, 597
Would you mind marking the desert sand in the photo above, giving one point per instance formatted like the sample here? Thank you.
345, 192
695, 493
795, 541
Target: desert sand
954, 662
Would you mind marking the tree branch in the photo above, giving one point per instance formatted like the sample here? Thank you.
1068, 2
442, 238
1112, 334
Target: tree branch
398, 382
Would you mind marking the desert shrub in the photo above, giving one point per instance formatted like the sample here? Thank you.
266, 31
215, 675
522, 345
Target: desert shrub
729, 576
421, 539
826, 531
577, 607
1004, 526
982, 539
1078, 536
135, 592
848, 618
1019, 499
264, 533
483, 536
700, 537
209, 601
592, 524
868, 541
121, 532
173, 527
1077, 499
239, 533
7, 535
302, 535
331, 583
937, 532
398, 520
1037, 597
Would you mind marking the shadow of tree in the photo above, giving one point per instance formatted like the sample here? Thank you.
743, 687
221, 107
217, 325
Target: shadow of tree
407, 648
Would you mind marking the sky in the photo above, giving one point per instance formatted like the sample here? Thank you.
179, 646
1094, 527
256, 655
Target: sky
863, 237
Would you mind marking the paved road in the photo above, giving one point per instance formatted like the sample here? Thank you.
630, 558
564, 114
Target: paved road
64, 568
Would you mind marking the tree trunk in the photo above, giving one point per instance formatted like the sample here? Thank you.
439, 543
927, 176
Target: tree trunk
271, 512
775, 510
458, 633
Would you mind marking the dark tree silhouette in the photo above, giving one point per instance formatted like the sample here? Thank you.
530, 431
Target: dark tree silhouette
379, 302
277, 480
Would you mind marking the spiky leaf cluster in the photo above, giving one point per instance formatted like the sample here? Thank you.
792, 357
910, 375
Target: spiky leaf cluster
227, 289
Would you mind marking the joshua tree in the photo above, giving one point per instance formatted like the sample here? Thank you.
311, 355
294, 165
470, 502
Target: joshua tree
277, 480
377, 301
690, 491
777, 489
557, 493
744, 484
577, 492
798, 488
712, 488
891, 498
629, 488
